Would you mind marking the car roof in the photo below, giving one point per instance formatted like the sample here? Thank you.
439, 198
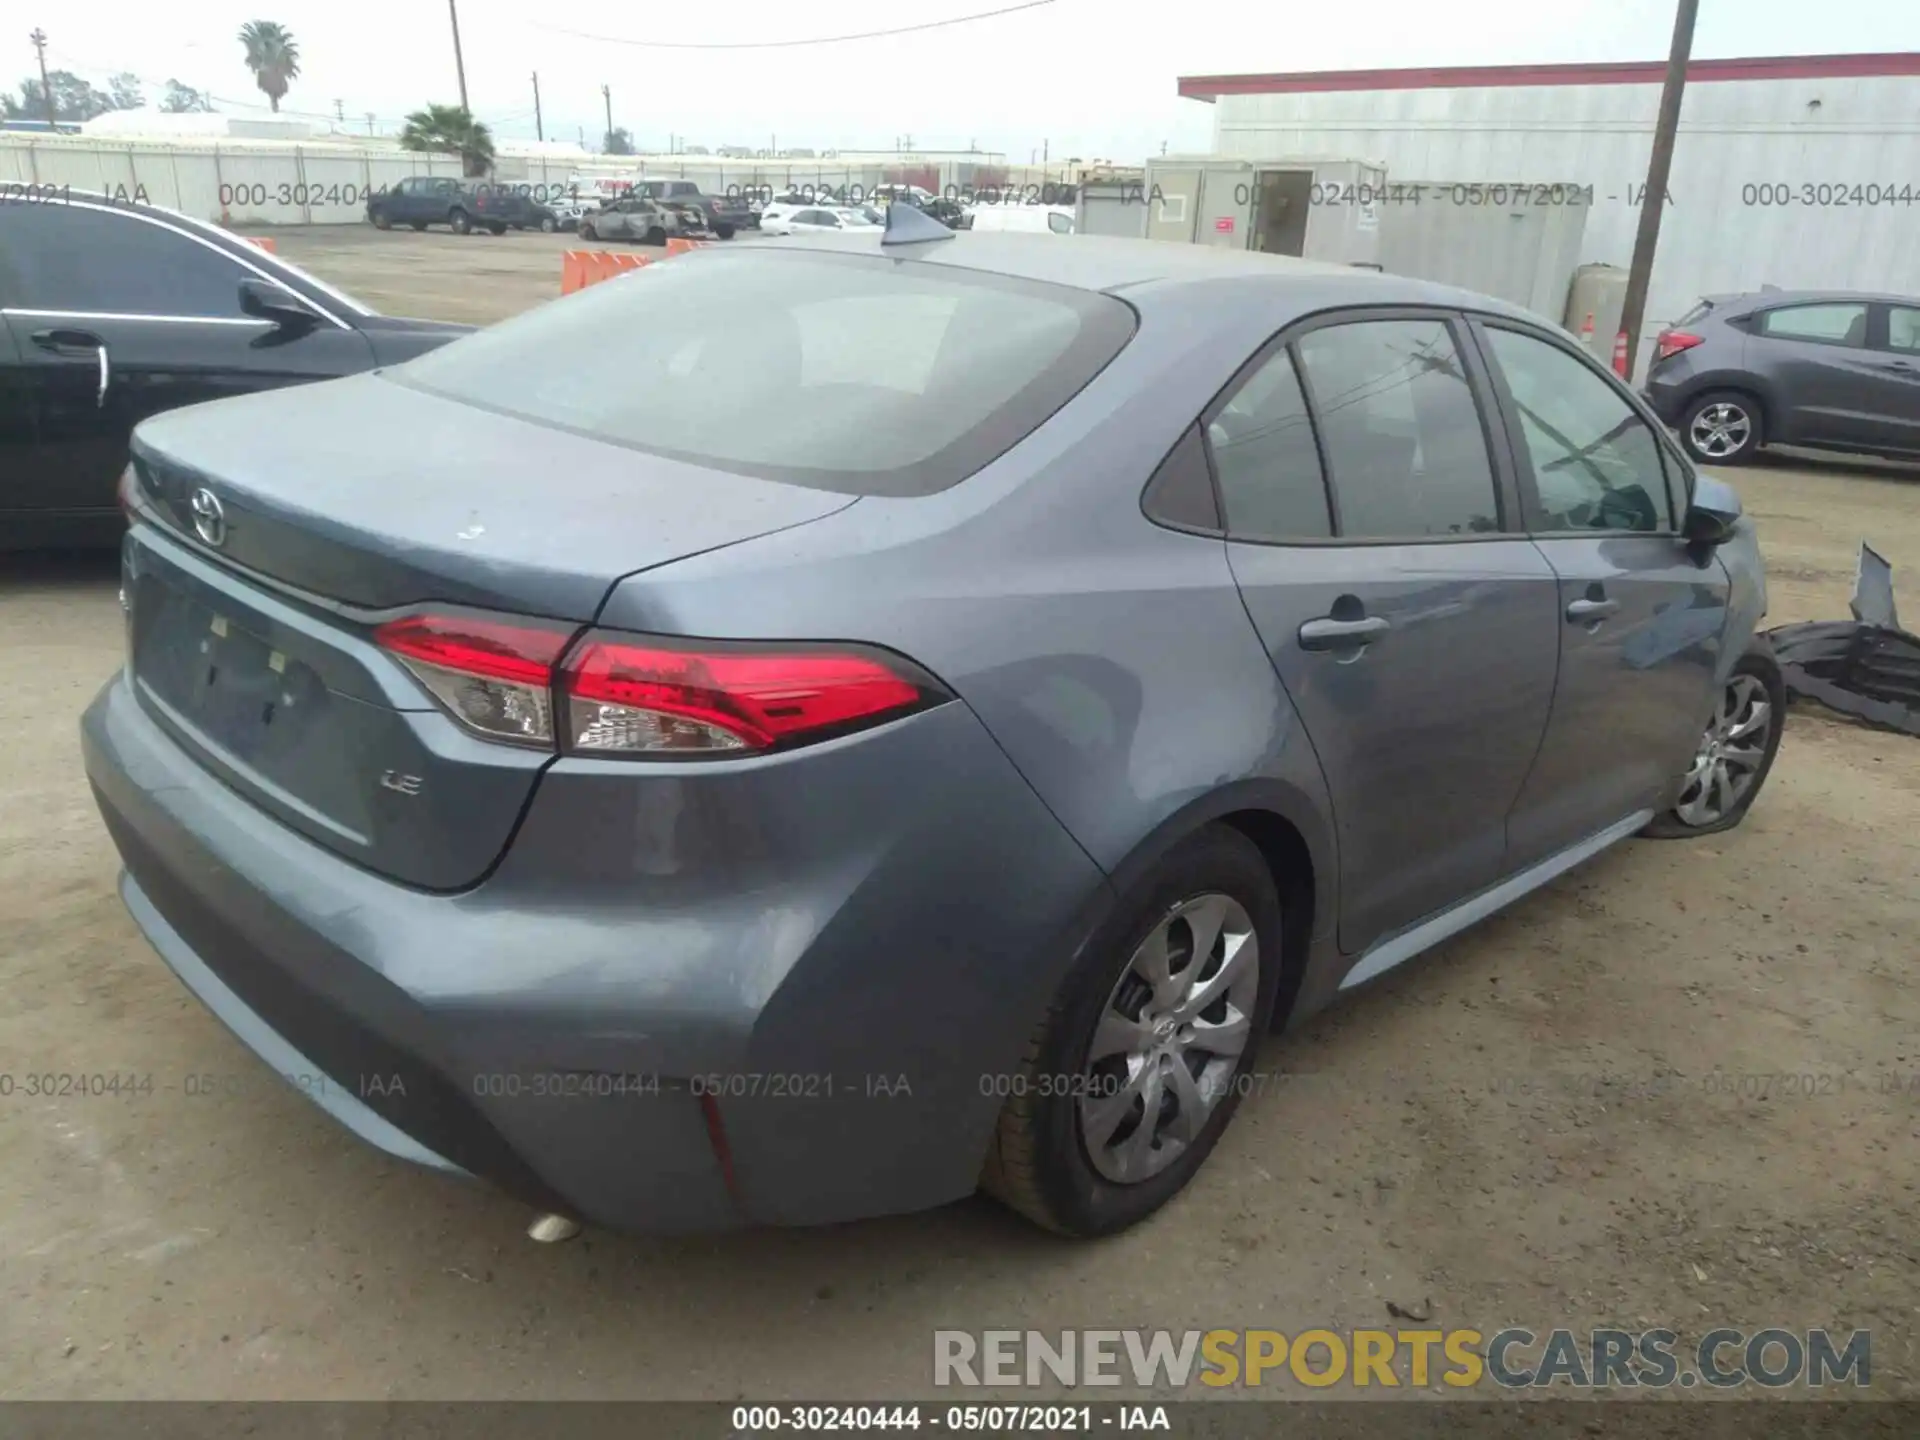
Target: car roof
1772, 298
1137, 269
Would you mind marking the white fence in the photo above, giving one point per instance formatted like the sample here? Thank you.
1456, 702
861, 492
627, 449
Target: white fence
264, 183
228, 184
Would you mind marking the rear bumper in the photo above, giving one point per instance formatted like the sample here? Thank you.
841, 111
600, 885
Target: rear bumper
833, 960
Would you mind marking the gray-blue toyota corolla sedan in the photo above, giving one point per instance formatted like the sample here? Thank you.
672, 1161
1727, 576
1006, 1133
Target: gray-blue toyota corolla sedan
810, 729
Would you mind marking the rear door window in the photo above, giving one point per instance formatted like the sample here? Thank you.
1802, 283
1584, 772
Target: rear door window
1405, 447
1266, 459
859, 374
1823, 324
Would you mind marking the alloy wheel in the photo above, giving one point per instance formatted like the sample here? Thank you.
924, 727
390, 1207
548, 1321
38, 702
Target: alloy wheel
1169, 1038
1732, 752
1720, 430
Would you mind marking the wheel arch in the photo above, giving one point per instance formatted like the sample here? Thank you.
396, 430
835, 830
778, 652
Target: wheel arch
1737, 382
1293, 836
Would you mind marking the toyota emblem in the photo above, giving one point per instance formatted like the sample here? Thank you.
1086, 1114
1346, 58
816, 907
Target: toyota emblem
209, 520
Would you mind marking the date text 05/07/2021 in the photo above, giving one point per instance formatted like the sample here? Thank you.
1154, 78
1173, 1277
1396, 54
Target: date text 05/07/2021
991, 1419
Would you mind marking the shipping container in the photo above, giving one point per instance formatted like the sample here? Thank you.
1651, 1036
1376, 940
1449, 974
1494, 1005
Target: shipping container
1507, 246
1318, 208
1800, 171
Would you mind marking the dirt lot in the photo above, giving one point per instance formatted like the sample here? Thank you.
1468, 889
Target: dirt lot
1479, 1129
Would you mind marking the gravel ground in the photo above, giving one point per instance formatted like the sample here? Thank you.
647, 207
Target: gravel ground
1677, 1087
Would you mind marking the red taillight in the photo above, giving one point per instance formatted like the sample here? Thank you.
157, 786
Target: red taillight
647, 696
494, 676
626, 695
1672, 342
124, 493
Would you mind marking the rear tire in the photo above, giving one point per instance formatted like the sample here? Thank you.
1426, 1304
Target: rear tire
497, 229
1723, 760
460, 222
656, 236
725, 232
1059, 1156
586, 231
417, 226
548, 225
1722, 427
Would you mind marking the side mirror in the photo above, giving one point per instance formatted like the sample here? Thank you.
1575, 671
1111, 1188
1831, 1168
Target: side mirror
267, 301
1713, 514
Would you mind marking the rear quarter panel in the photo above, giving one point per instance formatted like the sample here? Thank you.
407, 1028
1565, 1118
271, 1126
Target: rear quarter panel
1111, 658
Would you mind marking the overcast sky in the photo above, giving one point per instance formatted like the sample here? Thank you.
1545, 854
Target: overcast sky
1086, 77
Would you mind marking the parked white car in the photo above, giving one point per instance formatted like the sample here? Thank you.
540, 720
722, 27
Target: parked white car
779, 219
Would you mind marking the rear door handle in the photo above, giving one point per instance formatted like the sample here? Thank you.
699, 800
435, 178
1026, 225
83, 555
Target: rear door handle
1582, 611
62, 340
1327, 633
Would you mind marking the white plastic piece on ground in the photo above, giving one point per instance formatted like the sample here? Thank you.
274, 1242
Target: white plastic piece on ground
552, 1229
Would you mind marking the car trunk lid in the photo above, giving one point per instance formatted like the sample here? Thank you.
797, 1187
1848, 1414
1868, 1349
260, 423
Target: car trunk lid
322, 512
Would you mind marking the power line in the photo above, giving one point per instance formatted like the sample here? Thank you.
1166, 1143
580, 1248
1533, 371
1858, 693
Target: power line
789, 44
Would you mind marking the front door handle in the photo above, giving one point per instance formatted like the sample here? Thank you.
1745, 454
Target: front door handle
1327, 633
1582, 612
59, 340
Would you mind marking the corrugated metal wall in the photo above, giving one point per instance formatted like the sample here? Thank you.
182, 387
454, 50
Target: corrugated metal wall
1817, 138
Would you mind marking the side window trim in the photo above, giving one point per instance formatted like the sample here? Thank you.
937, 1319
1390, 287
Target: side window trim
1480, 384
1531, 510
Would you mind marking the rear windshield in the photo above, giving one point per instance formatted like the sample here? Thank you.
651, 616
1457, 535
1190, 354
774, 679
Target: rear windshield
865, 375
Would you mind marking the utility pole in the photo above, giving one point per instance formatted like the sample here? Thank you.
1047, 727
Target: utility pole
606, 94
539, 129
1659, 166
369, 122
459, 64
39, 38
340, 111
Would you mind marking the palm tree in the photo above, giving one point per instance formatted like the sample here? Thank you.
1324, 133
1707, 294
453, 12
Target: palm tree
450, 128
273, 55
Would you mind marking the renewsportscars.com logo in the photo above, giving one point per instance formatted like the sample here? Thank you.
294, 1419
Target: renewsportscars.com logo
1513, 1358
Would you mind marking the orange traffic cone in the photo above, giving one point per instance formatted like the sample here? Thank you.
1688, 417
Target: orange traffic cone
1620, 354
1586, 331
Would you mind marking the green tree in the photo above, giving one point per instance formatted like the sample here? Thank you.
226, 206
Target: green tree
125, 92
73, 99
451, 130
185, 100
273, 56
618, 142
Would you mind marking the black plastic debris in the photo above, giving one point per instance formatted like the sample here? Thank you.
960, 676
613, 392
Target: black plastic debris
1867, 667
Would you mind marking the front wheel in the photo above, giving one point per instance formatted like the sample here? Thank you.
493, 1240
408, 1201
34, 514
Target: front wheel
656, 236
1722, 428
1137, 1067
460, 222
587, 231
1735, 753
380, 220
548, 225
724, 232
497, 229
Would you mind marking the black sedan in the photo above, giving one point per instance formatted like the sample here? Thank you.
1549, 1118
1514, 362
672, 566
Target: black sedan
111, 312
